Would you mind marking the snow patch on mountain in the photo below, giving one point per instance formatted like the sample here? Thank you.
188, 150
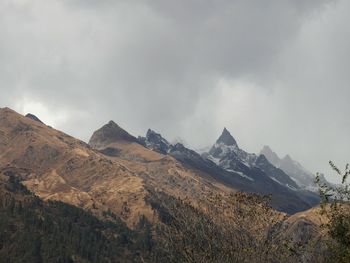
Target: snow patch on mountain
240, 174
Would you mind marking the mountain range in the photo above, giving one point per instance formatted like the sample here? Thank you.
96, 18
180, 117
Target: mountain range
126, 179
234, 167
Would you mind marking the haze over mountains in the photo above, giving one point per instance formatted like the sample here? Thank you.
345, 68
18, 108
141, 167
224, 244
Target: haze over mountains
291, 167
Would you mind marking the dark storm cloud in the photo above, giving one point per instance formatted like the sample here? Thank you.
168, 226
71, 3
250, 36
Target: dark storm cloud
178, 67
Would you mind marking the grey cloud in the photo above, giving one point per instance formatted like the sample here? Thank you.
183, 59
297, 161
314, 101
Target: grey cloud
161, 64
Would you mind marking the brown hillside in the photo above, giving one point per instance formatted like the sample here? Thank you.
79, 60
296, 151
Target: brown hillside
57, 166
127, 179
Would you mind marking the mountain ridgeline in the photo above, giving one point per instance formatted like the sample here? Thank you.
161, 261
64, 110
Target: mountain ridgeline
125, 199
232, 166
302, 177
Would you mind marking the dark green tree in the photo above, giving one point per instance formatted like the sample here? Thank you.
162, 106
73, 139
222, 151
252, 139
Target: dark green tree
335, 205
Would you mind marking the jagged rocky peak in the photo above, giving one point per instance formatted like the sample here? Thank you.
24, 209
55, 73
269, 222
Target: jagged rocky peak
266, 149
109, 133
179, 146
227, 148
155, 141
270, 155
155, 137
34, 118
152, 134
226, 138
181, 149
288, 164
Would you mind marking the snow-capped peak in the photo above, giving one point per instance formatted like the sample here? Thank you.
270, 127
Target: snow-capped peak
226, 153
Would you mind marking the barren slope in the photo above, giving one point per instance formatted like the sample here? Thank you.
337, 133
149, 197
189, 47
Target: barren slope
57, 166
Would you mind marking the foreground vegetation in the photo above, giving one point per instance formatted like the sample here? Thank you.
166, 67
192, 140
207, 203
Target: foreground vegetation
336, 207
35, 231
236, 228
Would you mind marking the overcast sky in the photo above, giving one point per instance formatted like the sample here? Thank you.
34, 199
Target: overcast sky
273, 72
